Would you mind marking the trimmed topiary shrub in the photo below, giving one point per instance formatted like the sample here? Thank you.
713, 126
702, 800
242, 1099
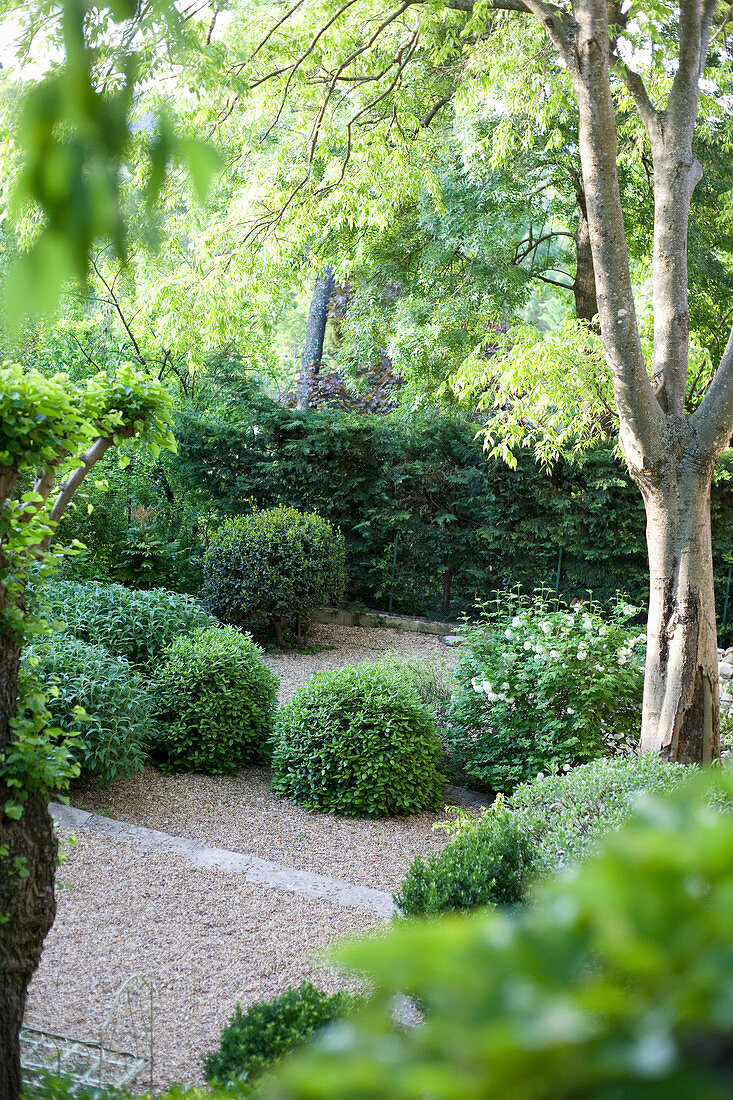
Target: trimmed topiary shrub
272, 565
254, 1039
357, 741
539, 688
115, 736
548, 823
216, 702
131, 624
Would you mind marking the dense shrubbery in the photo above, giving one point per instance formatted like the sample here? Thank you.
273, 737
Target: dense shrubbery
538, 690
136, 528
546, 824
357, 741
216, 702
463, 522
119, 725
613, 983
253, 1040
130, 624
271, 566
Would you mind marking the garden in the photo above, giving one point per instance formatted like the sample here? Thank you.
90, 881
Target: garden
366, 550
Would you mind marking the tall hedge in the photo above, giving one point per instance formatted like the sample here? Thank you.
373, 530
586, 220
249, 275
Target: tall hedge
457, 516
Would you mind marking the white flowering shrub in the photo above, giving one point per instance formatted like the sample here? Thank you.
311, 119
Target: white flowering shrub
540, 690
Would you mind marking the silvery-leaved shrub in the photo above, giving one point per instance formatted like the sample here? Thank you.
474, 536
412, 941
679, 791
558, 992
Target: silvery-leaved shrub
548, 823
118, 726
216, 701
539, 689
357, 741
136, 625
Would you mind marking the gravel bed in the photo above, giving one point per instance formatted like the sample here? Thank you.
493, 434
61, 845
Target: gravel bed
242, 814
207, 938
351, 645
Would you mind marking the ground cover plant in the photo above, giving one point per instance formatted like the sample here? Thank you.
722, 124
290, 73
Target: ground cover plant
546, 824
136, 625
357, 741
215, 702
539, 689
117, 722
273, 566
255, 1039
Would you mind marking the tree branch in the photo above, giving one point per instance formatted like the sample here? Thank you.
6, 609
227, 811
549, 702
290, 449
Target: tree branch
90, 458
713, 418
116, 304
437, 106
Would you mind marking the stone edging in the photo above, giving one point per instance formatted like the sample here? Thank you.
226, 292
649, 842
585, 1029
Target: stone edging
377, 618
261, 871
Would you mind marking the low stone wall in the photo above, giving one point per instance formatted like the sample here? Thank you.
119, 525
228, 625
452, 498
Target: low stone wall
377, 618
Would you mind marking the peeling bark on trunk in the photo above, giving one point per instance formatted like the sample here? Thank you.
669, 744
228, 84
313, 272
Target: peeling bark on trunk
681, 697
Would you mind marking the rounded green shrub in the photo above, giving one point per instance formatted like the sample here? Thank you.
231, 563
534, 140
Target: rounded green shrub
115, 735
132, 624
271, 565
253, 1040
547, 823
216, 702
357, 741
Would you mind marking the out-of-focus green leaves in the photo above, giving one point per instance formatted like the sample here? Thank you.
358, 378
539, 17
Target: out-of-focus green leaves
615, 984
76, 136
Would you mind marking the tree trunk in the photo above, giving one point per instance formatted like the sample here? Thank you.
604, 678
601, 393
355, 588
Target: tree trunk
29, 907
315, 333
584, 286
27, 868
681, 700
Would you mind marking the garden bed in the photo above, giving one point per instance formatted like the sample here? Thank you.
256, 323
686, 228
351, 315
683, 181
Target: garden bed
240, 812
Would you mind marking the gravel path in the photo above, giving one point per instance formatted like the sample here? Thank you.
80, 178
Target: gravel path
351, 645
208, 938
241, 813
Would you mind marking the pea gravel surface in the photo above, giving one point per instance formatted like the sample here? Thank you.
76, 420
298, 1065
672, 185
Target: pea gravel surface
207, 938
240, 812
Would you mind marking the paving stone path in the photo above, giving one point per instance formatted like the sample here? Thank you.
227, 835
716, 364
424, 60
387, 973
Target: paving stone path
274, 875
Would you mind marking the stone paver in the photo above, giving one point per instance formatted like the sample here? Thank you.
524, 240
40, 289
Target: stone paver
274, 875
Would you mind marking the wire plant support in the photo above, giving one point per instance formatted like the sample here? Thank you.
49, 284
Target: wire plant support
122, 1053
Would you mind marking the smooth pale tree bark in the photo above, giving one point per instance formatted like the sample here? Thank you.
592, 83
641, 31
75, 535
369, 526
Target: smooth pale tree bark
669, 455
315, 333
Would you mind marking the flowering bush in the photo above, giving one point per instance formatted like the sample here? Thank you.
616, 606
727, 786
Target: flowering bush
539, 690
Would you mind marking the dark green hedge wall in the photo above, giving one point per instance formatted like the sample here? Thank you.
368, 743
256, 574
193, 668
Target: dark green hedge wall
428, 483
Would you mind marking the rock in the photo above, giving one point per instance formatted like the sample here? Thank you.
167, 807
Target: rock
725, 670
453, 639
